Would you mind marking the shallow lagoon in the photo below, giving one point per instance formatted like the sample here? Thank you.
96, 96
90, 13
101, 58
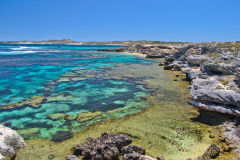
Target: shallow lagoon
88, 92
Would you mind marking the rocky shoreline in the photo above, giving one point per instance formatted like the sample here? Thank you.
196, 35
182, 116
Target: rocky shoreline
213, 70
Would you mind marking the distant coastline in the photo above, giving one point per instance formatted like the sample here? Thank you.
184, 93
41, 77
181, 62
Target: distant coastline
72, 42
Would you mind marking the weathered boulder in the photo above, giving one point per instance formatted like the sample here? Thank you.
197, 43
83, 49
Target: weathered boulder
176, 66
196, 60
205, 95
132, 149
10, 142
191, 73
216, 96
220, 68
221, 108
101, 152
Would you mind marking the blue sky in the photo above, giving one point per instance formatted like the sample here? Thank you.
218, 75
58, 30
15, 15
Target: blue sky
107, 20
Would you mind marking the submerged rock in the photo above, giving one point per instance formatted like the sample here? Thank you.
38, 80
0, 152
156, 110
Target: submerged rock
62, 136
87, 116
212, 152
10, 142
57, 116
35, 101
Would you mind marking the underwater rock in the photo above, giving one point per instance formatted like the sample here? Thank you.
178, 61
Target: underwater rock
212, 152
63, 79
71, 157
75, 87
132, 149
29, 131
5, 91
35, 101
61, 97
78, 78
10, 142
57, 116
107, 146
70, 117
62, 136
87, 116
68, 75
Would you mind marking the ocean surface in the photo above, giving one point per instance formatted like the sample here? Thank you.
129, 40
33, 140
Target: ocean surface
48, 90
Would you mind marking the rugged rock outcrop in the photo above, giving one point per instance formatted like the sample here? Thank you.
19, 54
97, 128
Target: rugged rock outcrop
109, 147
214, 72
220, 68
105, 147
10, 142
213, 69
133, 149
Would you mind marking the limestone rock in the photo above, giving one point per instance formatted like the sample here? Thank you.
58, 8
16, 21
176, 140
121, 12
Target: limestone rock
220, 68
10, 142
196, 60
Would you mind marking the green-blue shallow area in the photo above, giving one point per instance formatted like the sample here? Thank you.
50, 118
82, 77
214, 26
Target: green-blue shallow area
48, 89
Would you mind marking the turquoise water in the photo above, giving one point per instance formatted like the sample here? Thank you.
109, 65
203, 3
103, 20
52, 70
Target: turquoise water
68, 80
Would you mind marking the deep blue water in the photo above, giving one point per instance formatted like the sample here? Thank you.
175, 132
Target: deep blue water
73, 79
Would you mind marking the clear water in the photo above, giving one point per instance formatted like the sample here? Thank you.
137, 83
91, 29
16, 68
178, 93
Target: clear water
72, 79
